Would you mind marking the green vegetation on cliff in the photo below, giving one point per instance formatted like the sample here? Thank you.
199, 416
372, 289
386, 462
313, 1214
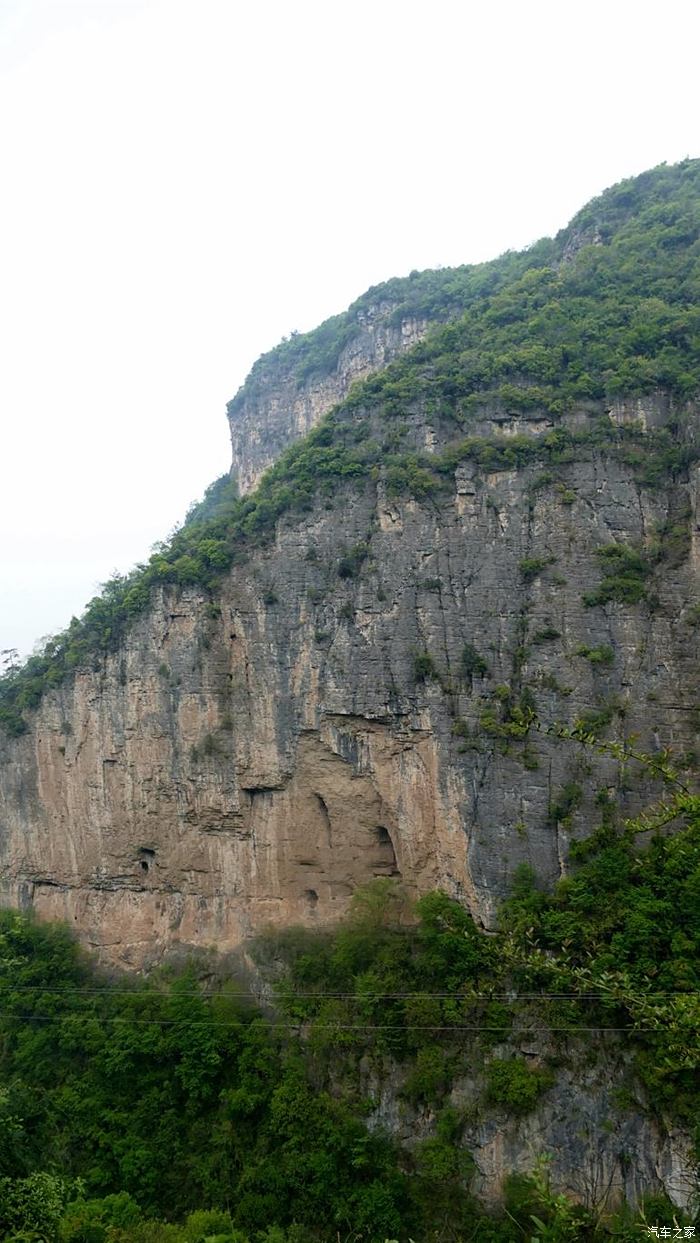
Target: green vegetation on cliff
435, 295
610, 308
660, 211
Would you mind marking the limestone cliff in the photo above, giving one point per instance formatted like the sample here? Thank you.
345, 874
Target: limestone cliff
268, 415
254, 759
352, 671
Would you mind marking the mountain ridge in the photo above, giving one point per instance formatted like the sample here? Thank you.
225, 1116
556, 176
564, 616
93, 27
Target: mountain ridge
510, 381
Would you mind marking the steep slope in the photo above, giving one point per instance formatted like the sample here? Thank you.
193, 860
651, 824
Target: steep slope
278, 406
290, 389
352, 672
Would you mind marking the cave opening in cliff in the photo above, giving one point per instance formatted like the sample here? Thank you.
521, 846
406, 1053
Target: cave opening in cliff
385, 864
325, 819
146, 857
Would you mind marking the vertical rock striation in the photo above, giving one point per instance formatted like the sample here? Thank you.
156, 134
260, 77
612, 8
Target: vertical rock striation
282, 403
251, 761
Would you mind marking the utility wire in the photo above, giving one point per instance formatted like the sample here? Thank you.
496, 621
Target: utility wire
364, 1027
512, 995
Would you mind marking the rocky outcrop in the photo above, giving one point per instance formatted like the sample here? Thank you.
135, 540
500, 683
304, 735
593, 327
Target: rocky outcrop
592, 1147
330, 718
267, 416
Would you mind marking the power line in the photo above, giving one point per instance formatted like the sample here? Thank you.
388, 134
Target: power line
512, 995
364, 1027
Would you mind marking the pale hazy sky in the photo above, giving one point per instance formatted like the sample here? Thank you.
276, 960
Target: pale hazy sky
186, 181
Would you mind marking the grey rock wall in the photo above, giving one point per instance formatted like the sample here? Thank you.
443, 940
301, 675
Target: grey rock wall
280, 409
250, 764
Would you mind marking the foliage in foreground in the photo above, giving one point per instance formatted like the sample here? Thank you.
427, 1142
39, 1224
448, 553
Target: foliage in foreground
47, 1208
124, 1102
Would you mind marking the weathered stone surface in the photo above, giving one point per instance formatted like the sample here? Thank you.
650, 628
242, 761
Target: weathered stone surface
600, 1154
595, 1150
281, 410
219, 773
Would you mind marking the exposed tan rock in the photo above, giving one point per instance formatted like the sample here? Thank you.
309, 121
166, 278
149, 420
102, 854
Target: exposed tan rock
220, 773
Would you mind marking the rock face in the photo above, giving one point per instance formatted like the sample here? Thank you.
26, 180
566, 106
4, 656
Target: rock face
341, 711
596, 1151
266, 417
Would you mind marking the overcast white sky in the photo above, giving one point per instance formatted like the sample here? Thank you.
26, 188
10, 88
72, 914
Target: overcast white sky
186, 181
